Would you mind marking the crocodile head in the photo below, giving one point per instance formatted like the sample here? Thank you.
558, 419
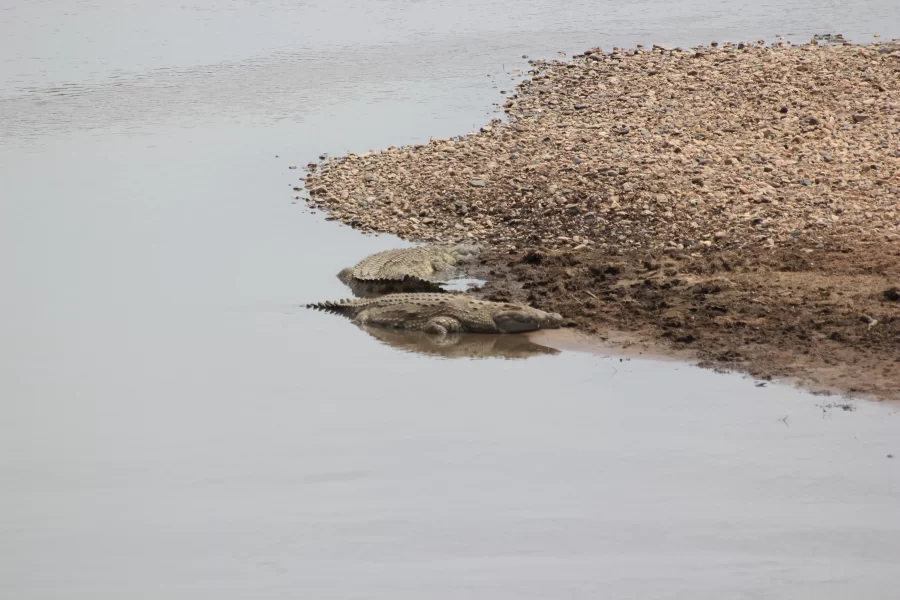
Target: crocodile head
514, 319
465, 252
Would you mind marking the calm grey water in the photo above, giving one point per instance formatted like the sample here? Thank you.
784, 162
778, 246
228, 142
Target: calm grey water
174, 426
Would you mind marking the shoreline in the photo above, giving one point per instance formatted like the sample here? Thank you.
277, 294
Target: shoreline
737, 202
788, 316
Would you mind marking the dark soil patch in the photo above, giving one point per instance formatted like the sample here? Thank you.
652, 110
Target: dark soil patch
820, 316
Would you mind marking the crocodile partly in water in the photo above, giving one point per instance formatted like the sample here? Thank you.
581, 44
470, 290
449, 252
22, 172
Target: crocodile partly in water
416, 269
442, 313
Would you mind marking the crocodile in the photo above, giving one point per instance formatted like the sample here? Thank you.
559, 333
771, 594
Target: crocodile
416, 269
460, 345
440, 314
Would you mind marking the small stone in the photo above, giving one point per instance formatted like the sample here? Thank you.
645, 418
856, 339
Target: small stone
892, 294
477, 182
859, 118
720, 235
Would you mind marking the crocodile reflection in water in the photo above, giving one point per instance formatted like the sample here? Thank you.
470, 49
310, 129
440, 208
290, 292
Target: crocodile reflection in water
460, 345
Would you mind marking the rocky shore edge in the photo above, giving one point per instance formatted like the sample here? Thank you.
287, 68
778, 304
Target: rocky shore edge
740, 202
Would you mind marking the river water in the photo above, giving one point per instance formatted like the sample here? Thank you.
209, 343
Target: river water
175, 426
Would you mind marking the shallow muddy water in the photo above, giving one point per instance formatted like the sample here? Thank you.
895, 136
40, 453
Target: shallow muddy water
175, 425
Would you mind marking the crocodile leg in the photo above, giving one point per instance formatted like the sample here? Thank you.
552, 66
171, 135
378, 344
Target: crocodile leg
362, 318
441, 326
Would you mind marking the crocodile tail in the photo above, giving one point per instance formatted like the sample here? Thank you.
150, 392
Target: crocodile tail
341, 307
398, 279
408, 284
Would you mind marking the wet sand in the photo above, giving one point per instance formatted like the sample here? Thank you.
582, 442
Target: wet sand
822, 319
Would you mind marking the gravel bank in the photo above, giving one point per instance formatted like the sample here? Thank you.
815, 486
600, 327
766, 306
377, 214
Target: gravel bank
750, 146
743, 152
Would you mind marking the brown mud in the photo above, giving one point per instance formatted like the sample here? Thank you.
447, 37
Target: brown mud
826, 319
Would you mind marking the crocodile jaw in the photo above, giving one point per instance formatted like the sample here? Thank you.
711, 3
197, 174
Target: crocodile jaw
516, 321
465, 252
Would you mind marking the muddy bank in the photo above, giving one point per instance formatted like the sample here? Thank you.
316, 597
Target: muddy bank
738, 199
828, 319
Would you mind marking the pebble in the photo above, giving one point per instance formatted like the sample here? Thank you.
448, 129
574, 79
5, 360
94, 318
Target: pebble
670, 156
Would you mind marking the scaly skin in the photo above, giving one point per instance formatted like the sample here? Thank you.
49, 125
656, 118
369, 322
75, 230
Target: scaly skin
425, 263
442, 313
373, 289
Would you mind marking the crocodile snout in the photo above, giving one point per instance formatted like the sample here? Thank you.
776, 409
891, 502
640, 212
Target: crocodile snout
553, 321
515, 321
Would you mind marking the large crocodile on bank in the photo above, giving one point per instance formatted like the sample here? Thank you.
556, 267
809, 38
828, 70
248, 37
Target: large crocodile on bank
442, 313
416, 269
